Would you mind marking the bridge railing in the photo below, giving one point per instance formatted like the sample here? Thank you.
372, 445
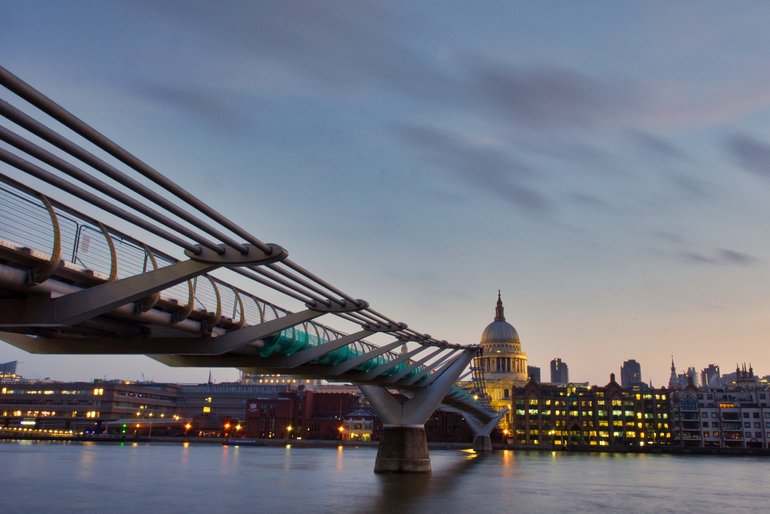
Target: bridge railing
25, 223
69, 157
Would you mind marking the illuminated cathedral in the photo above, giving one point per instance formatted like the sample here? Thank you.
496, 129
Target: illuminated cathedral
503, 361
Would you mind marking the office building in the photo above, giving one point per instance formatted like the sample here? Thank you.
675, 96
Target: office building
559, 372
630, 373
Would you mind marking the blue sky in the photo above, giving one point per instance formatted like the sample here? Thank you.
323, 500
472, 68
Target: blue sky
605, 164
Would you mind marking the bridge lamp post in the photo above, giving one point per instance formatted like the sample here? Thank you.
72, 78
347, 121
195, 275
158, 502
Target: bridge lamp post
342, 432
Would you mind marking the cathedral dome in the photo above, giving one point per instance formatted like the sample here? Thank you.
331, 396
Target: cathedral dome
499, 331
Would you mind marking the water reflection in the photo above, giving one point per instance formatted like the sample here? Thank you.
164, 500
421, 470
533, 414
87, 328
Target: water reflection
194, 479
86, 462
406, 493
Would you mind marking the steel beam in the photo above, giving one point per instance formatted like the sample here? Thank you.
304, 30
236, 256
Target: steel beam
382, 368
208, 345
357, 361
426, 371
397, 376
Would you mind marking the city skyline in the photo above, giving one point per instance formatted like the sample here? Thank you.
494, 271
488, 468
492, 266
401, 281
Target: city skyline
607, 168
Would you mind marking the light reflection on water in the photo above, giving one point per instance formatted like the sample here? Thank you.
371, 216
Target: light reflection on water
115, 478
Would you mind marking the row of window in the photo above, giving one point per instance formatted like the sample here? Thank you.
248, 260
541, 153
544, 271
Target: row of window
746, 424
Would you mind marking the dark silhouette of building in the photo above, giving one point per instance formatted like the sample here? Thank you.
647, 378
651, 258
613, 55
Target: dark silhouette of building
534, 373
630, 373
559, 371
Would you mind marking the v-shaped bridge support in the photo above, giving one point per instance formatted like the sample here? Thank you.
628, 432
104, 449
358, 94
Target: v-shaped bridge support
403, 447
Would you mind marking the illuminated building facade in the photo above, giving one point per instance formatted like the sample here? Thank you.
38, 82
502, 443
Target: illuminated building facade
564, 416
83, 406
503, 362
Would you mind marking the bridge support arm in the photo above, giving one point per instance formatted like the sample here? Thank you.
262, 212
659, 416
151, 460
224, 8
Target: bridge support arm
482, 440
403, 446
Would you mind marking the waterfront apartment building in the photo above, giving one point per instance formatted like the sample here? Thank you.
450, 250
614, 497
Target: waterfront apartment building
710, 418
574, 416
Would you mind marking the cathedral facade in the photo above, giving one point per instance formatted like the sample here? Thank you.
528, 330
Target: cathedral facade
503, 362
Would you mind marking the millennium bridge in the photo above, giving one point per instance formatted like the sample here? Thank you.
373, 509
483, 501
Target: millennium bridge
83, 228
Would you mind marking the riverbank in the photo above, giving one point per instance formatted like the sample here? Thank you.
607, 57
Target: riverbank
321, 443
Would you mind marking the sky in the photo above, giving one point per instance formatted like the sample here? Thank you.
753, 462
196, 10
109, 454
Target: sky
606, 165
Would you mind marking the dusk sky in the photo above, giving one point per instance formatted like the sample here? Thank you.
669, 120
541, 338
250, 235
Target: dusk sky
606, 165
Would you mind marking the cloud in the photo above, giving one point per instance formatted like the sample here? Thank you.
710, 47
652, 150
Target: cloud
201, 104
691, 185
656, 145
344, 44
720, 256
590, 201
548, 96
752, 154
483, 166
734, 257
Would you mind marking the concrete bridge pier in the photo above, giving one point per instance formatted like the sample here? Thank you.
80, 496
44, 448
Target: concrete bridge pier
482, 442
404, 447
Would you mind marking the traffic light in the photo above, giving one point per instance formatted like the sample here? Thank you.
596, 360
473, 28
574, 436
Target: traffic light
123, 429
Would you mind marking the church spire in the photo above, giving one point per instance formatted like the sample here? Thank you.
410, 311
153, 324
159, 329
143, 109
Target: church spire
499, 316
673, 380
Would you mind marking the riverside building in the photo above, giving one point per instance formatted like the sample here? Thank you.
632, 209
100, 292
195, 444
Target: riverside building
734, 417
575, 416
87, 407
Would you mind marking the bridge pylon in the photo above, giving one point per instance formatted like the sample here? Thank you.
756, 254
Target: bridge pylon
404, 446
482, 442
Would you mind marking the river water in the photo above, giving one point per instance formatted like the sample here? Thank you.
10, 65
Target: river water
43, 477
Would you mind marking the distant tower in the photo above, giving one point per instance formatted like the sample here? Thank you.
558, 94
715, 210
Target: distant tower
692, 376
673, 381
630, 373
710, 377
559, 371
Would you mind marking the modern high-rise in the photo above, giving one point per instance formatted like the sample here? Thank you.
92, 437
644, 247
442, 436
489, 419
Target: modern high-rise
630, 373
559, 371
711, 377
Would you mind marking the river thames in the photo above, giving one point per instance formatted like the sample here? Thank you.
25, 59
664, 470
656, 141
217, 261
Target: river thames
155, 477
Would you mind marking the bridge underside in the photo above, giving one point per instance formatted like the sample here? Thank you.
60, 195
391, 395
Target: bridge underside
72, 284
